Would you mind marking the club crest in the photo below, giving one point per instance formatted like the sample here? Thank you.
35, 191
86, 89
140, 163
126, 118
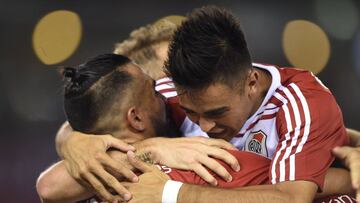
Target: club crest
256, 142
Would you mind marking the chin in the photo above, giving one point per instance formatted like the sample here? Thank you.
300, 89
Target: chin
223, 136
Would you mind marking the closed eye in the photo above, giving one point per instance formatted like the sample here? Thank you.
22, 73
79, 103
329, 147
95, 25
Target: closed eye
217, 112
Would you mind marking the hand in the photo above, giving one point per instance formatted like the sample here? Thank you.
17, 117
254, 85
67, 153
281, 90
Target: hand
85, 159
195, 153
351, 158
151, 182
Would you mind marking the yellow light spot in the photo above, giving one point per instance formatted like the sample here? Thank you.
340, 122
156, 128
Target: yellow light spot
56, 36
306, 45
176, 19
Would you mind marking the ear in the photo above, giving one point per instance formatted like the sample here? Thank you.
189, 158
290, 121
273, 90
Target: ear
252, 83
135, 119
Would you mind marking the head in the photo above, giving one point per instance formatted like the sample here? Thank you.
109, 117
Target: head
110, 95
211, 66
147, 46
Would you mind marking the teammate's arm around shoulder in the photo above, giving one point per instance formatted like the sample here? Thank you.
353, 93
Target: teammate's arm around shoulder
85, 158
195, 154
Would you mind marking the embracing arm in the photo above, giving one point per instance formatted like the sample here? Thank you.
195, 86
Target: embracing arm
91, 165
295, 191
150, 189
53, 189
53, 186
61, 136
351, 158
336, 182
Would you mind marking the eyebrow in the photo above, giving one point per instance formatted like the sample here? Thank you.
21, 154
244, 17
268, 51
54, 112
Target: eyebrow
186, 109
213, 112
218, 111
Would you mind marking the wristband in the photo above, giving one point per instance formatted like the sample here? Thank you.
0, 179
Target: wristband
171, 191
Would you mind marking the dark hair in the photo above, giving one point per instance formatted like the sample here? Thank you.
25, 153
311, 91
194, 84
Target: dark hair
208, 47
92, 88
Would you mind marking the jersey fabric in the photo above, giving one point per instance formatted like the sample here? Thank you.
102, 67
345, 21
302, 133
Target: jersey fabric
296, 126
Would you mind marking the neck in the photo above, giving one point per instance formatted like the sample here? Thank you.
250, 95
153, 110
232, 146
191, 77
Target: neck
129, 136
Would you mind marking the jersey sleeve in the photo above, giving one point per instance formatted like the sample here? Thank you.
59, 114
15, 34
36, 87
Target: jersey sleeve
309, 125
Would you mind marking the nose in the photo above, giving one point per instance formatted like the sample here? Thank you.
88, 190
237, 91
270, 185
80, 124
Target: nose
206, 125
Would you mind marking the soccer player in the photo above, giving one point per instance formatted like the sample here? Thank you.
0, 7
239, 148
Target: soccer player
147, 46
142, 47
284, 114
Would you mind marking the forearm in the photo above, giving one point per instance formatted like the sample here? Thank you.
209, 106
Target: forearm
62, 134
294, 191
267, 194
56, 185
337, 181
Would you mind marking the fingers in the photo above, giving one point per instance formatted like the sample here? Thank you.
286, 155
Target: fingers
342, 152
222, 144
224, 156
204, 174
216, 143
99, 189
107, 161
111, 141
353, 161
142, 166
109, 180
351, 157
217, 168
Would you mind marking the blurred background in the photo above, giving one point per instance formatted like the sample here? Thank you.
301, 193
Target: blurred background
38, 36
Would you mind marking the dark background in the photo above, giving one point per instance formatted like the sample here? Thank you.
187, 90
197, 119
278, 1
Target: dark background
31, 92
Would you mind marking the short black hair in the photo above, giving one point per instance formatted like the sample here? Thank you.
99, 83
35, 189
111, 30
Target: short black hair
208, 47
92, 88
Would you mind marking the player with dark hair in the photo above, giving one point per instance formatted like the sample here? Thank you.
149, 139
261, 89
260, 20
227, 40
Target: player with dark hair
284, 114
110, 94
93, 88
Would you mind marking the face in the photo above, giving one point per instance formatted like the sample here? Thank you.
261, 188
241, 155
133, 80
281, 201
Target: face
219, 110
152, 102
